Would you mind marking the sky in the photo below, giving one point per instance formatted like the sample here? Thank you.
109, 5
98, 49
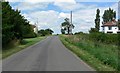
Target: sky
51, 13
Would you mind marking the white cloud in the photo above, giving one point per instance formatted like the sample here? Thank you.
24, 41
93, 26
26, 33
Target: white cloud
64, 1
35, 1
97, 0
63, 15
30, 6
45, 19
69, 6
83, 15
15, 0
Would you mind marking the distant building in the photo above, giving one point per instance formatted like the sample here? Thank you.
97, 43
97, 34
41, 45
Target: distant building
111, 27
35, 28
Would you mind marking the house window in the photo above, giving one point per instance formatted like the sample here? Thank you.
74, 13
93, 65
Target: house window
109, 32
103, 28
119, 28
110, 28
118, 32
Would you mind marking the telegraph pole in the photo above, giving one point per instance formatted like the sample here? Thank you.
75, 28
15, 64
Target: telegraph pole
71, 17
71, 25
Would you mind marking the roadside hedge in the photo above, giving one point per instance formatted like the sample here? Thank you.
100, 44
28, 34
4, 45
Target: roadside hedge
104, 38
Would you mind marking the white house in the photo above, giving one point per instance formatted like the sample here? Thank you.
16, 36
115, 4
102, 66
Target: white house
111, 27
35, 28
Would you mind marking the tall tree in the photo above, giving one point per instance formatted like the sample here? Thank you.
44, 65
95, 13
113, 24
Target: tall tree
109, 15
14, 25
66, 26
97, 20
118, 24
7, 33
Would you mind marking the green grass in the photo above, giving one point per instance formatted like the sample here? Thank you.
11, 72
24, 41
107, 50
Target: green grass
25, 43
102, 57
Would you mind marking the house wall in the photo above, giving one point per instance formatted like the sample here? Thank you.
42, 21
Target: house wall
36, 30
114, 29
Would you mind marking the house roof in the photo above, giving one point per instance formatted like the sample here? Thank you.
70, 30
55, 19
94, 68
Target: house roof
33, 26
110, 23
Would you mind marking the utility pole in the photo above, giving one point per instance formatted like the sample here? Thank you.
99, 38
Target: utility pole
71, 25
71, 17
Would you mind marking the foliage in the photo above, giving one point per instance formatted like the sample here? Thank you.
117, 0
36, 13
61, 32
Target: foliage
97, 20
119, 23
97, 23
79, 33
102, 58
45, 32
105, 53
66, 26
14, 25
104, 38
62, 31
93, 30
49, 31
109, 15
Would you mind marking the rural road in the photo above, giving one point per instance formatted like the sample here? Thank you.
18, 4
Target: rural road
47, 55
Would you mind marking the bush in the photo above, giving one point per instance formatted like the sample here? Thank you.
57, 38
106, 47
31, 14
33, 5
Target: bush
104, 38
30, 35
98, 47
79, 33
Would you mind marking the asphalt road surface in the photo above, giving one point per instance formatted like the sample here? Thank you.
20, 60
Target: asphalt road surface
47, 55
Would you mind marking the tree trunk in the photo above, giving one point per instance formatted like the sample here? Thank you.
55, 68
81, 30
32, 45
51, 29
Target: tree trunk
68, 30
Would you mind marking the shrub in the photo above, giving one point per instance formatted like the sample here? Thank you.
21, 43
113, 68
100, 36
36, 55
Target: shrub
104, 38
30, 35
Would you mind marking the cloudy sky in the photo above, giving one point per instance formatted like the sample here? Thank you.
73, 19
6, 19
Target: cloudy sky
51, 13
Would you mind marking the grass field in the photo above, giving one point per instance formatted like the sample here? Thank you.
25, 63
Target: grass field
25, 43
103, 57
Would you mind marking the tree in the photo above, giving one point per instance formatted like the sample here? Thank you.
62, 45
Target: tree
79, 33
109, 15
14, 25
62, 31
119, 23
43, 32
93, 30
7, 33
49, 31
66, 26
97, 21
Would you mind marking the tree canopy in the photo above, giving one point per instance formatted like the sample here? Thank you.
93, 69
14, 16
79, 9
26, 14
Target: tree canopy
109, 15
14, 25
97, 20
66, 26
43, 32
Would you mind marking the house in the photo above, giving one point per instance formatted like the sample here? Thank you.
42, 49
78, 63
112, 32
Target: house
110, 27
35, 29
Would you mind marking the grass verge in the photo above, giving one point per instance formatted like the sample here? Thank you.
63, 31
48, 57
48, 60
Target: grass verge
25, 43
89, 58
